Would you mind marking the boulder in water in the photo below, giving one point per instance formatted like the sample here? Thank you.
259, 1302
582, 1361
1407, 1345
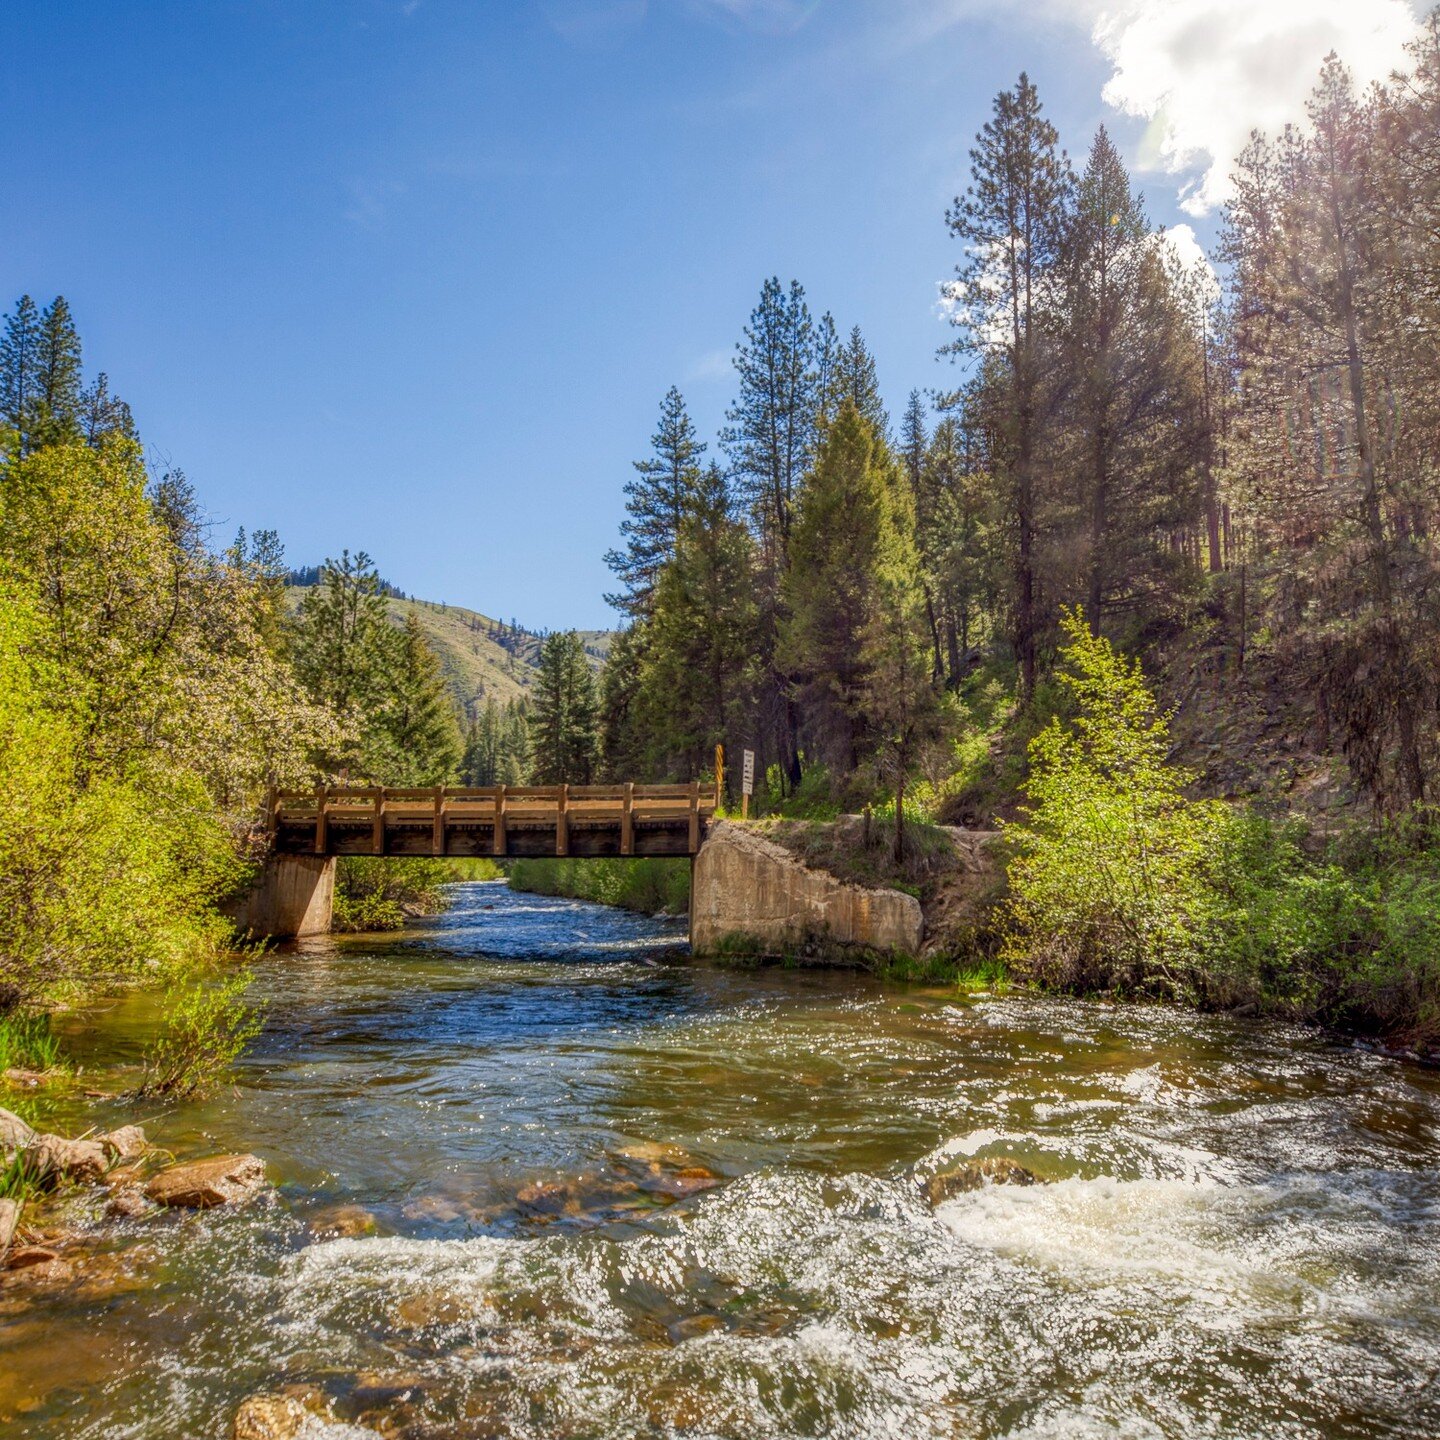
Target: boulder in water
204, 1184
998, 1170
126, 1143
286, 1415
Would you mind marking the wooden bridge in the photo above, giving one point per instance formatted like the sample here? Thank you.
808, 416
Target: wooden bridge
497, 820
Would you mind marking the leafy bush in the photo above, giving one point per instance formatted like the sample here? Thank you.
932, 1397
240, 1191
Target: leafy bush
1110, 884
381, 893
206, 1030
103, 879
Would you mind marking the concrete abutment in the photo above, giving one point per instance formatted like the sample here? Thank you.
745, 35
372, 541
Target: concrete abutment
294, 897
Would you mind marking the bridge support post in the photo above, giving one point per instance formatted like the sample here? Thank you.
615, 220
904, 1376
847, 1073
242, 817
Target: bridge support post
294, 897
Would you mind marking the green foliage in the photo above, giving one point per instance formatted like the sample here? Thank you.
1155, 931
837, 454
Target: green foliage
696, 671
416, 740
381, 893
650, 886
207, 1027
103, 878
27, 1042
1110, 882
563, 732
657, 501
497, 747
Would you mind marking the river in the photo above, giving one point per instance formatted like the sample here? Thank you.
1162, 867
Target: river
531, 1096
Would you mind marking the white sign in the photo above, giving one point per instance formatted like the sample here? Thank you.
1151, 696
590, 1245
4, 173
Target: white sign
747, 784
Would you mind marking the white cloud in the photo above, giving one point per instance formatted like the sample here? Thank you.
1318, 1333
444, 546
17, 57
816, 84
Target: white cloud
1205, 73
774, 17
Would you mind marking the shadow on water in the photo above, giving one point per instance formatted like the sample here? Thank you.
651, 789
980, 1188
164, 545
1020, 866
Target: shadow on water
605, 1191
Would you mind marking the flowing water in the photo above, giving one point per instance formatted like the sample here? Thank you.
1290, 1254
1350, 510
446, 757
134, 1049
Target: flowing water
533, 1098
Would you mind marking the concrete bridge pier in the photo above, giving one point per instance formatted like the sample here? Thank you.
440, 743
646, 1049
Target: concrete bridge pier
293, 897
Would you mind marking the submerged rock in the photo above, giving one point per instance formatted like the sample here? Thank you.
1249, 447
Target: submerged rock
126, 1204
204, 1184
342, 1222
998, 1170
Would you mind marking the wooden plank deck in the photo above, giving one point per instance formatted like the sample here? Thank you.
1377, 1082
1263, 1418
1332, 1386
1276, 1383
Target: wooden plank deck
496, 820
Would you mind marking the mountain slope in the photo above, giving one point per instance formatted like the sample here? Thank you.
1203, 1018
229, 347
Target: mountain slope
481, 657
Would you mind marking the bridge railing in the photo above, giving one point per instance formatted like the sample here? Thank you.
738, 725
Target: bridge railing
498, 806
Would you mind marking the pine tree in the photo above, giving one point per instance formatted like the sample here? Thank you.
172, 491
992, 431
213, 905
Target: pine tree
899, 699
857, 382
341, 635
1012, 222
771, 427
563, 731
837, 544
102, 413
1133, 406
413, 738
20, 371
57, 409
655, 506
697, 671
623, 729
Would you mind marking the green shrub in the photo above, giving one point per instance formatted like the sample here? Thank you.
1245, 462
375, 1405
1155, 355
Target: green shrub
1110, 884
381, 892
207, 1028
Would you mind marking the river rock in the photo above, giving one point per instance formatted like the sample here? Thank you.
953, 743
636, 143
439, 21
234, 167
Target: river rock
747, 888
126, 1204
54, 1157
15, 1134
203, 1184
278, 1417
998, 1170
9, 1219
126, 1143
342, 1222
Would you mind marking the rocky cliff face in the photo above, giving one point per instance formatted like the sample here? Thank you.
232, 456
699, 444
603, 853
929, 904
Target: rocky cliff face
750, 894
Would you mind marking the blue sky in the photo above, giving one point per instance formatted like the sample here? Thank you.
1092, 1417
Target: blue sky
412, 276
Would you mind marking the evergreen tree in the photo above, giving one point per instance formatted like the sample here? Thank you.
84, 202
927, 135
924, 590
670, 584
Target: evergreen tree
623, 726
857, 382
836, 548
770, 428
413, 738
20, 371
102, 413
900, 703
700, 646
1012, 223
58, 401
563, 733
655, 506
342, 645
828, 392
1133, 404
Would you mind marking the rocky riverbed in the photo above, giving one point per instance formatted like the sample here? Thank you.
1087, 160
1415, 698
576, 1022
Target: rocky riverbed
529, 1172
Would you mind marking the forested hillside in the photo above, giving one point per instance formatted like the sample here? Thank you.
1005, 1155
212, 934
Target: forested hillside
480, 657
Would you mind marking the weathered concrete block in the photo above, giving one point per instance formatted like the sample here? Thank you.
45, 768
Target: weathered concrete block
294, 897
745, 885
